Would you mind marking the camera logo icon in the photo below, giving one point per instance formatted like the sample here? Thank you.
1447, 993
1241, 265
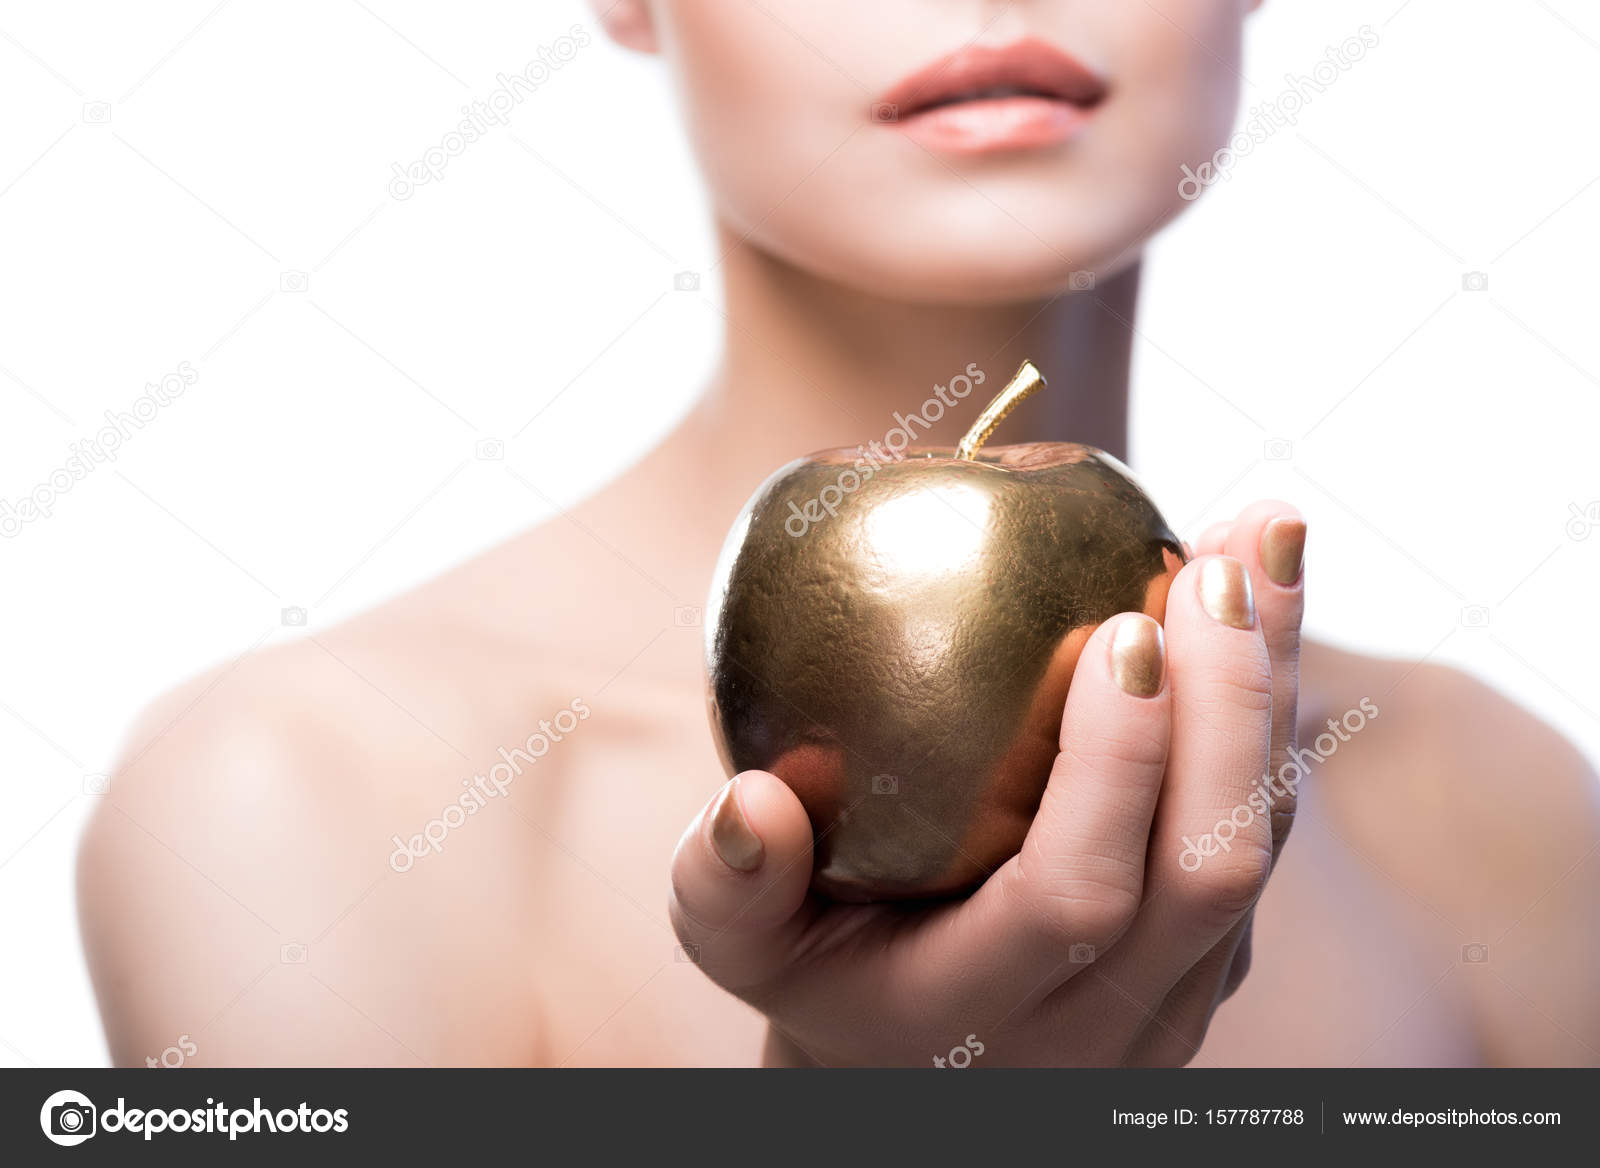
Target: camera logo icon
885, 785
293, 282
1475, 616
1584, 520
1080, 954
489, 450
1277, 450
686, 616
294, 616
885, 111
687, 954
1475, 954
67, 1118
292, 954
1081, 281
1475, 282
96, 113
686, 282
96, 784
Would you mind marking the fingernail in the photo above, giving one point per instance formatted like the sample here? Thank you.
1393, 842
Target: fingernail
1225, 592
1137, 661
1283, 544
740, 848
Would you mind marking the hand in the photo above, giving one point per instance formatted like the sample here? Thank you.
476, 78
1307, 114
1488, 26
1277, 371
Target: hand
1122, 924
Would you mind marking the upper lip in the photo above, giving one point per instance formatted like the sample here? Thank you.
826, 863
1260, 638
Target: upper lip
1028, 67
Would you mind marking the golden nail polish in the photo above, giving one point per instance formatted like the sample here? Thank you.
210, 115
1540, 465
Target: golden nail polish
1225, 592
1138, 662
1283, 543
739, 847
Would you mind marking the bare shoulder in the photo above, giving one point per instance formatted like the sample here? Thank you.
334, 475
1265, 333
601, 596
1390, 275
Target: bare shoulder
1488, 819
239, 885
1440, 737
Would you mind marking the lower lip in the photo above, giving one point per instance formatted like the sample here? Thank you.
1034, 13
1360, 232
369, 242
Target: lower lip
996, 124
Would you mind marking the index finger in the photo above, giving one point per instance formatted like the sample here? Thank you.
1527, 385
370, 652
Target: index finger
1077, 882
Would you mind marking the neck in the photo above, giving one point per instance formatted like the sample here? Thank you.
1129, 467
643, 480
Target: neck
810, 365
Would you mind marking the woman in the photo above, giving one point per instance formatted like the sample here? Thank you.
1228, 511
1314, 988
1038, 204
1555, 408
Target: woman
902, 190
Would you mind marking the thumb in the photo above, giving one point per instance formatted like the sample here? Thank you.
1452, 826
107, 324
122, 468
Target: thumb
739, 879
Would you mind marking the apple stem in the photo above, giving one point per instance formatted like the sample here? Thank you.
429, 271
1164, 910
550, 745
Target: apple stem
1026, 379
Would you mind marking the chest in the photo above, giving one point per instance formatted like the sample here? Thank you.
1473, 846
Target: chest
1343, 971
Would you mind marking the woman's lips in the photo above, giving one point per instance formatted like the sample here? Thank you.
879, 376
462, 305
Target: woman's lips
1007, 123
1025, 95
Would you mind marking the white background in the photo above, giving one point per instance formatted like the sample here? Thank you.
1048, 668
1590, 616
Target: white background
326, 456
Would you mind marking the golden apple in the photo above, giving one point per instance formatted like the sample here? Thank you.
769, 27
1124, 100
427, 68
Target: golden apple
894, 638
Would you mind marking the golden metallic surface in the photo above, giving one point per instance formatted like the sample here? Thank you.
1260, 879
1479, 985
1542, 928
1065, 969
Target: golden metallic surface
1225, 592
1283, 545
1138, 657
1026, 379
740, 848
895, 638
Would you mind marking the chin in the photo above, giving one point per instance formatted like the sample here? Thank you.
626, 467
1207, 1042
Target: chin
1033, 246
975, 272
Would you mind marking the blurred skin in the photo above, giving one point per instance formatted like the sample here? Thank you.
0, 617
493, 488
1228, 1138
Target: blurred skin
255, 807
